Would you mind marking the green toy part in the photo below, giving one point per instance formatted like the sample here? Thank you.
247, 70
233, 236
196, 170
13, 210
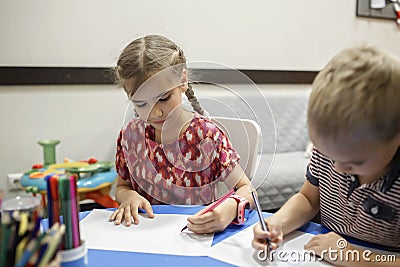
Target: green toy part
49, 151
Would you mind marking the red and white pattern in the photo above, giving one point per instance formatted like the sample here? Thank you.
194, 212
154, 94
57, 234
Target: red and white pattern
182, 172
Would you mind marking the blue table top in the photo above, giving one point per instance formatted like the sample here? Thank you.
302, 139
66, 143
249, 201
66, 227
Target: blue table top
122, 258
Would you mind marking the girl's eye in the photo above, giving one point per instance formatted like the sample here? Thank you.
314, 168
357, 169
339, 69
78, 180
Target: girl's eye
358, 162
141, 105
164, 98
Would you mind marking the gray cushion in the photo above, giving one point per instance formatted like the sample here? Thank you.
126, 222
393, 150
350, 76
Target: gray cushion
289, 115
286, 177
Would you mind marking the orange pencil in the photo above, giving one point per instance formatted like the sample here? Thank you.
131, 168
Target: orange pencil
54, 197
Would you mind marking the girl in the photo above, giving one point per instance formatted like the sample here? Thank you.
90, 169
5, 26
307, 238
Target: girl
168, 154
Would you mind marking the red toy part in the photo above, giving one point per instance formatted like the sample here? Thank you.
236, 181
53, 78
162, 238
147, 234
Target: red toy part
103, 199
37, 166
396, 7
92, 160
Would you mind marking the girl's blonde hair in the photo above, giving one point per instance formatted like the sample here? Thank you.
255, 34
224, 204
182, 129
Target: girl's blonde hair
146, 56
358, 92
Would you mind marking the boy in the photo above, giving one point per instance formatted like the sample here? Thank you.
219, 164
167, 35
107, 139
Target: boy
353, 176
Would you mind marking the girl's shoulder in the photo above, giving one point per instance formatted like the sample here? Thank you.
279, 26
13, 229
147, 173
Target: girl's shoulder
205, 124
134, 127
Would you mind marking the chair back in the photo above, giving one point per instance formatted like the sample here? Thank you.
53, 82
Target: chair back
245, 136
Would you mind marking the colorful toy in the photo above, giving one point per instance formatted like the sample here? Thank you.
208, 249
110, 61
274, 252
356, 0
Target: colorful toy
95, 178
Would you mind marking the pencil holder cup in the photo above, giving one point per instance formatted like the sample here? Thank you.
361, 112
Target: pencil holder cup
75, 257
23, 204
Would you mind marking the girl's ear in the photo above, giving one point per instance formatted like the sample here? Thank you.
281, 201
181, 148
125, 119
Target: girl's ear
184, 81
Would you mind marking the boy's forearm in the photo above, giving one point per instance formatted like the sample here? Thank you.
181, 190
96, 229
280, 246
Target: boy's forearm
294, 213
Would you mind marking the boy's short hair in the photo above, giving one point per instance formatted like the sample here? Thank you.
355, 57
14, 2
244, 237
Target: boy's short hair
357, 92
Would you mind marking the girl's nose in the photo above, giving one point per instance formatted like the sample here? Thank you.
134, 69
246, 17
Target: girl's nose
156, 112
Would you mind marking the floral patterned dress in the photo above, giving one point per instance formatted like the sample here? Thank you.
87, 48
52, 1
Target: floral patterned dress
185, 171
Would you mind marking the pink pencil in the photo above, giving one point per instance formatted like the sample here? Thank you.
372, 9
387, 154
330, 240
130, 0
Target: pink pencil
74, 211
216, 203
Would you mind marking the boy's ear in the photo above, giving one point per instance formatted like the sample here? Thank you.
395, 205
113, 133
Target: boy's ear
184, 81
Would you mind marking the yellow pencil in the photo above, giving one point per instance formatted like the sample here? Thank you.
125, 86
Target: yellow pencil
52, 247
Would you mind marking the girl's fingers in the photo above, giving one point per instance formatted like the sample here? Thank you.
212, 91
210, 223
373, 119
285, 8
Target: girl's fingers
149, 210
202, 229
127, 217
202, 219
112, 217
134, 213
118, 216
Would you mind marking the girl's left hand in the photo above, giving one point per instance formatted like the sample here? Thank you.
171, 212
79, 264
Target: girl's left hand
213, 221
325, 244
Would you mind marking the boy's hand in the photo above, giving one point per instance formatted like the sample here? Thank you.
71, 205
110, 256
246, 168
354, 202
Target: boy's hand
129, 208
320, 244
213, 221
275, 235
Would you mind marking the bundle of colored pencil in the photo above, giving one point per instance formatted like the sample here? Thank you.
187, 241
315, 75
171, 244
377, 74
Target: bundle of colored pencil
62, 200
23, 245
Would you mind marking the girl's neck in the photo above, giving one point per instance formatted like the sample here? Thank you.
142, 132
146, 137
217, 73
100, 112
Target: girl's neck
172, 134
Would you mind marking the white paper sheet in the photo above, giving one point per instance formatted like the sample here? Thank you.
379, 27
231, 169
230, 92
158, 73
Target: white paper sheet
237, 250
159, 235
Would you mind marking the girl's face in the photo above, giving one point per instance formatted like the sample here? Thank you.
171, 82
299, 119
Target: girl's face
158, 101
367, 158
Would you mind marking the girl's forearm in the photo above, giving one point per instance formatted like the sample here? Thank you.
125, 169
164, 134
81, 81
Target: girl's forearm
244, 191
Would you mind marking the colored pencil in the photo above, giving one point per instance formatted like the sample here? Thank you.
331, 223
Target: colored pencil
74, 212
53, 244
54, 198
49, 201
264, 226
66, 211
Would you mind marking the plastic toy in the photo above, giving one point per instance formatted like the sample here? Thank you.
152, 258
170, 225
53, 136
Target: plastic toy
94, 178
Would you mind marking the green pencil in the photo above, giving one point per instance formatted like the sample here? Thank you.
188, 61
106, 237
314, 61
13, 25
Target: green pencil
66, 211
5, 238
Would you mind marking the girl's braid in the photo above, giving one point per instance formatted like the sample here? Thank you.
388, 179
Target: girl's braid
193, 100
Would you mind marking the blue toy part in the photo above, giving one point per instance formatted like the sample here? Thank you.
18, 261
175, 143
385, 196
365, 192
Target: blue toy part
92, 182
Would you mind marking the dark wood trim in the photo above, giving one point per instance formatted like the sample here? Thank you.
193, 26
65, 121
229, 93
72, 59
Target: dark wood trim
54, 75
257, 76
77, 75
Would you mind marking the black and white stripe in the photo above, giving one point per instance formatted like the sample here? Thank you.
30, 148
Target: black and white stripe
364, 213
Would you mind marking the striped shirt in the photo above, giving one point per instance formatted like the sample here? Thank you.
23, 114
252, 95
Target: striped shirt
359, 211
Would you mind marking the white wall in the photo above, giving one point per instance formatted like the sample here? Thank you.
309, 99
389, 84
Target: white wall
258, 34
86, 119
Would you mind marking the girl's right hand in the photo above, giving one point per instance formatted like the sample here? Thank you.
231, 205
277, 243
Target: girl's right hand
275, 235
129, 208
